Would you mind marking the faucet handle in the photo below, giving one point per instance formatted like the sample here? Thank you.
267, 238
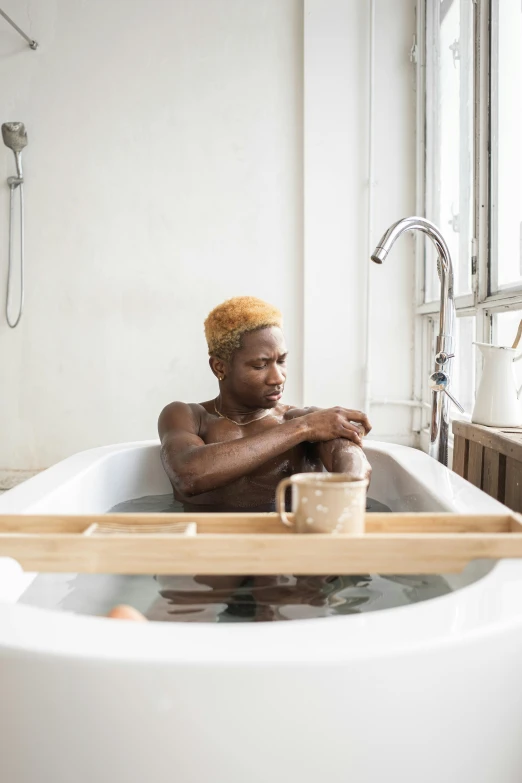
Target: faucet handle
442, 357
439, 382
455, 402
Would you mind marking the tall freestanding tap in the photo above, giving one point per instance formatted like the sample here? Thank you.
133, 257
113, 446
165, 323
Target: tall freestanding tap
440, 379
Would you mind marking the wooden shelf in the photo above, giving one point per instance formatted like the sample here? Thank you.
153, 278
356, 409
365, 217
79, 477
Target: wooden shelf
254, 544
491, 459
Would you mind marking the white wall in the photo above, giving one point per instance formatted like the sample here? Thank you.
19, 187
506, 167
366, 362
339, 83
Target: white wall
336, 206
164, 173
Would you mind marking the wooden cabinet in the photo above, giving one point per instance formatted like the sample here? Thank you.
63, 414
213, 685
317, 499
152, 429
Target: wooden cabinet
491, 459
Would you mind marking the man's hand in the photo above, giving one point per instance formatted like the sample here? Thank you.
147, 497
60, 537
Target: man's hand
332, 423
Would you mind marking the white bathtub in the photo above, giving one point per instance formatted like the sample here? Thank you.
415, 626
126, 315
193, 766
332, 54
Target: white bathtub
430, 692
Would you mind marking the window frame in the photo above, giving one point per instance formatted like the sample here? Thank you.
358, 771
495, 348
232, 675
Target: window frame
432, 156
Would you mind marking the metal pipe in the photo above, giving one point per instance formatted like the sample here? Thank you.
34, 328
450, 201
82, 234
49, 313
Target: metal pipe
12, 187
33, 44
401, 403
368, 312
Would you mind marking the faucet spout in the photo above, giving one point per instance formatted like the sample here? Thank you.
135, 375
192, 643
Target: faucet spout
439, 430
444, 264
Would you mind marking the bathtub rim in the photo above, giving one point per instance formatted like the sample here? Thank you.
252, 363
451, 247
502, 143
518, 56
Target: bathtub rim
457, 494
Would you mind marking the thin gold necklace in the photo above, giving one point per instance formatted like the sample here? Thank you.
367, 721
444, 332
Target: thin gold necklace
239, 424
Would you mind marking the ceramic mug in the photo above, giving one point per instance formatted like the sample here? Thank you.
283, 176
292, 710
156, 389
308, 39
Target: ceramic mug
324, 503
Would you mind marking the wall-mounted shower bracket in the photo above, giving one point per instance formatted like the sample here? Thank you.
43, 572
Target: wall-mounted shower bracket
15, 137
33, 44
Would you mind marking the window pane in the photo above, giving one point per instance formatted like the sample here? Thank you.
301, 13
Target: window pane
429, 346
449, 192
506, 197
505, 326
463, 375
506, 194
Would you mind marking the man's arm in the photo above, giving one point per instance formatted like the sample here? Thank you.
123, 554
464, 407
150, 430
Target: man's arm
194, 467
340, 455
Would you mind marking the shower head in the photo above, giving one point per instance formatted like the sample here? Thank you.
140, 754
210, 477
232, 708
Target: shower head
15, 137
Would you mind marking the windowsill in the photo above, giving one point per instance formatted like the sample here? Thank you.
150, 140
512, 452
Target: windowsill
511, 298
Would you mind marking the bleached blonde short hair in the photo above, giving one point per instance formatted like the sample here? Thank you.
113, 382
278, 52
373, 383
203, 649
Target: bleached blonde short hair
228, 322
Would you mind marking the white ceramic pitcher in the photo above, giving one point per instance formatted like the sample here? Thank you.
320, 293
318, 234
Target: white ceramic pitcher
497, 403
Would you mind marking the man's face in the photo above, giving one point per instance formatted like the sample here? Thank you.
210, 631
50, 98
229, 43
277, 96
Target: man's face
257, 370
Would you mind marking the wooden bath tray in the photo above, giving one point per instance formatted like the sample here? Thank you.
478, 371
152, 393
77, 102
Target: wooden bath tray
254, 544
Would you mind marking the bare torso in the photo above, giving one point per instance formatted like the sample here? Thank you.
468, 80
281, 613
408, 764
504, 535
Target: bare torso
243, 465
254, 491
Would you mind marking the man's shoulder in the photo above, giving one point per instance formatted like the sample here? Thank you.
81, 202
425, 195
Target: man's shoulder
181, 415
177, 406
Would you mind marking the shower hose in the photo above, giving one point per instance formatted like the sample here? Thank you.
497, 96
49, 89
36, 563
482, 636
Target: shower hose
12, 187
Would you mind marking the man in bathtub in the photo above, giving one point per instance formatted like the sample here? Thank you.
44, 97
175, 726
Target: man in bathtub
230, 453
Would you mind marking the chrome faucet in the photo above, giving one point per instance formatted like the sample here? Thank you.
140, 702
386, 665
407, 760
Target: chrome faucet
439, 381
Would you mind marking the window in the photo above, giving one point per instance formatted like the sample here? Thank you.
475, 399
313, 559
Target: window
463, 376
504, 330
449, 137
506, 159
429, 326
505, 327
472, 189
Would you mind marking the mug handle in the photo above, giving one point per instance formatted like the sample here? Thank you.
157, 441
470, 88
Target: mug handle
280, 501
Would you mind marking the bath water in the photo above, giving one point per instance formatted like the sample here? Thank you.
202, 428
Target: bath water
230, 599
